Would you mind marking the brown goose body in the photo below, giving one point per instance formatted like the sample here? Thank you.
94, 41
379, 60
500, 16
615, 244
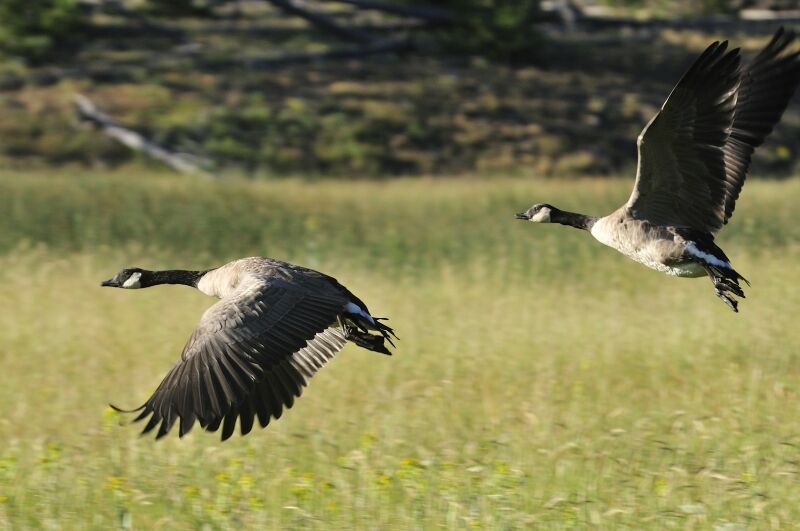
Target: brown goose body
693, 160
658, 247
275, 326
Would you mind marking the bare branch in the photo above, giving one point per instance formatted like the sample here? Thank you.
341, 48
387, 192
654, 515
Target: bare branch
431, 14
135, 141
749, 21
141, 21
322, 21
386, 46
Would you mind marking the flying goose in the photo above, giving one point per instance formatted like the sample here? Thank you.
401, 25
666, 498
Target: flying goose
275, 326
693, 160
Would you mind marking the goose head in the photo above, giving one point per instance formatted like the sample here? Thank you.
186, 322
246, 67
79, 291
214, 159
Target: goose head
129, 278
538, 213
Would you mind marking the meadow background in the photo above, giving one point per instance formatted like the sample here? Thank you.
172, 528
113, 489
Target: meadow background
542, 381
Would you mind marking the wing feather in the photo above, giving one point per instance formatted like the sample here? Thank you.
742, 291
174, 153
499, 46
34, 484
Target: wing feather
681, 175
694, 154
767, 85
250, 356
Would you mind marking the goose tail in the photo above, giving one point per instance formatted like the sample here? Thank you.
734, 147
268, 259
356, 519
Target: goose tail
701, 249
357, 323
372, 342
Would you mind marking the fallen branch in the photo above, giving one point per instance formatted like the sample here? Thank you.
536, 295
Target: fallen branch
140, 21
180, 162
128, 31
566, 12
430, 14
381, 26
387, 46
749, 21
322, 21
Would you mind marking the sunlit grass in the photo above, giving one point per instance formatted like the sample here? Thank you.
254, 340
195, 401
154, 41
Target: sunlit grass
541, 380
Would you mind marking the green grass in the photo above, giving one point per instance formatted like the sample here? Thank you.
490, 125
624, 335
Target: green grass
541, 380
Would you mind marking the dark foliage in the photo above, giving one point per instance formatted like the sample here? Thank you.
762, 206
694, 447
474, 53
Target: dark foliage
41, 30
180, 8
500, 29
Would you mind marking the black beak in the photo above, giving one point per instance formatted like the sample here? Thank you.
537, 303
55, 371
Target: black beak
523, 215
110, 283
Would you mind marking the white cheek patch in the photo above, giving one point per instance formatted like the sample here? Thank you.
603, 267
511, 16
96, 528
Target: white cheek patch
543, 216
133, 281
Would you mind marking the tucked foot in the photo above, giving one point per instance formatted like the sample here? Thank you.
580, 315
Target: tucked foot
386, 331
732, 303
356, 322
726, 284
366, 340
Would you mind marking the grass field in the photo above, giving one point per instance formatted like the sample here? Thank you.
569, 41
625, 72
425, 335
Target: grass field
541, 381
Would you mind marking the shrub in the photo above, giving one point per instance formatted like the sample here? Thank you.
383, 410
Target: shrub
179, 8
501, 29
40, 31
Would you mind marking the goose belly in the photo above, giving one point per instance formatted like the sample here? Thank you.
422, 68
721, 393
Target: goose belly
664, 255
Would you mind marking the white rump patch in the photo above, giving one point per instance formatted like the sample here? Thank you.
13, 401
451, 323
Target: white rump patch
706, 257
353, 308
133, 281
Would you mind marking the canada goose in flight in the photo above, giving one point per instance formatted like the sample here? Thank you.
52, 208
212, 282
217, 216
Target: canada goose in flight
693, 160
252, 353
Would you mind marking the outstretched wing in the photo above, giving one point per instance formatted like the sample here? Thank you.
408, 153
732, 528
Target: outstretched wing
681, 178
250, 355
768, 83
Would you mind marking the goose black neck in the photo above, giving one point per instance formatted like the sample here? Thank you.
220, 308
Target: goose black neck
579, 221
173, 276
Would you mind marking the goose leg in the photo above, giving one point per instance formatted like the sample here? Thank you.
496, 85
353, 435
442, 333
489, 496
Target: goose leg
725, 286
732, 303
364, 339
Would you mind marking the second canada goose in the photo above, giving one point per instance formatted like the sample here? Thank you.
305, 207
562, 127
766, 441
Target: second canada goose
693, 160
252, 353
